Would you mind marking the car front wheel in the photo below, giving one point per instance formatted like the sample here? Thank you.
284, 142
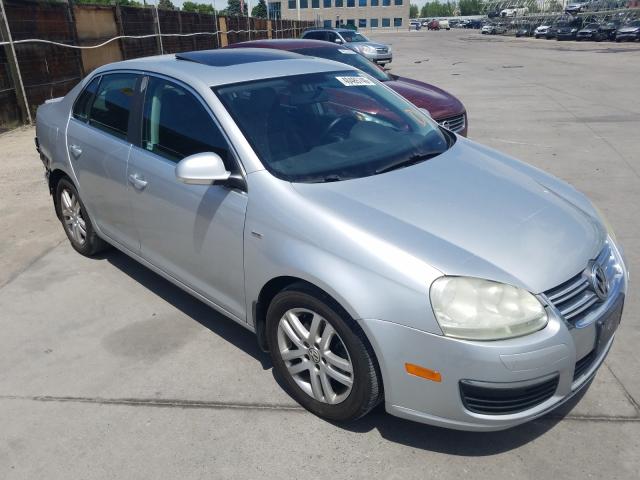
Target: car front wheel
75, 220
322, 355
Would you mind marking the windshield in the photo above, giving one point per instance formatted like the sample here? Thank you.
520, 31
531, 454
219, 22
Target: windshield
353, 37
330, 126
344, 55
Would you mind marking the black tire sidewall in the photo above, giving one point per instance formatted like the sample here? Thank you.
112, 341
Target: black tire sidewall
362, 390
91, 242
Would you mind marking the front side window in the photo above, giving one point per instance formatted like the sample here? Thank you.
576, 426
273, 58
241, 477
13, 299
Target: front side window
353, 37
175, 124
330, 126
85, 99
112, 103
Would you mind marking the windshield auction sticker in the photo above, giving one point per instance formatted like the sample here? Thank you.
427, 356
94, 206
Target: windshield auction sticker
355, 81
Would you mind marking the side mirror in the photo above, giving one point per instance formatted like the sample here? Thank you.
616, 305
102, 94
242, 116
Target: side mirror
204, 168
337, 40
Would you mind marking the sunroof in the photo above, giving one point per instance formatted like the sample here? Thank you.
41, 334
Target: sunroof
236, 56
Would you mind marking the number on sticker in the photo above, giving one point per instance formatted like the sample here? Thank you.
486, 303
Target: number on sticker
354, 81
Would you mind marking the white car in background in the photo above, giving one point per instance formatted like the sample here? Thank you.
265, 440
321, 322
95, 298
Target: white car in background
514, 12
541, 31
444, 24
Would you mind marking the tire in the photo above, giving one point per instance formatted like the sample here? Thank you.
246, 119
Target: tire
325, 396
75, 220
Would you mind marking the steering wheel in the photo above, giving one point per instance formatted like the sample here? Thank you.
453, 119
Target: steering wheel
336, 129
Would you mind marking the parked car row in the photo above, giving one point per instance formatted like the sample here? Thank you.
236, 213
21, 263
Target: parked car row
577, 30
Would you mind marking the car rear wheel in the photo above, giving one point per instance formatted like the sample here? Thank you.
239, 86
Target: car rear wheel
75, 220
322, 355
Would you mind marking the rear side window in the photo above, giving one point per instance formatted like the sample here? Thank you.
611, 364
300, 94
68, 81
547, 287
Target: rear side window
112, 104
175, 124
85, 99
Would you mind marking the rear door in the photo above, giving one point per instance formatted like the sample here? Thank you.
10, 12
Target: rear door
99, 146
194, 233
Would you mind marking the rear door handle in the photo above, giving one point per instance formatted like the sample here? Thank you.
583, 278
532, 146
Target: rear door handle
137, 181
75, 150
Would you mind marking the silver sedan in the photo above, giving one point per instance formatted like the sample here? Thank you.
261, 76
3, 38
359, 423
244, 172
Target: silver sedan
377, 256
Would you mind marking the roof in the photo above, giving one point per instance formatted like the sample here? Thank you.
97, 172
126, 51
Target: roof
225, 66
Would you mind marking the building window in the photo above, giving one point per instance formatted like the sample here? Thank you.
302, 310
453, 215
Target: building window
339, 3
386, 22
373, 23
362, 23
397, 22
397, 2
327, 4
374, 3
386, 3
274, 10
304, 3
362, 3
326, 23
351, 3
315, 3
292, 4
351, 22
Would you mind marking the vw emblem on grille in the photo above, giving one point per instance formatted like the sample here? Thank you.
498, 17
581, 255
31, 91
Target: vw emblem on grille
446, 125
598, 280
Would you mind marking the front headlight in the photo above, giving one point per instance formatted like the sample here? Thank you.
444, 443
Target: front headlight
574, 30
477, 309
369, 49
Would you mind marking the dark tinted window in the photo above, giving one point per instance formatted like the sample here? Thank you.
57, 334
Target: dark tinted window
84, 100
315, 35
112, 104
339, 3
327, 4
315, 3
374, 22
374, 3
304, 3
175, 124
351, 3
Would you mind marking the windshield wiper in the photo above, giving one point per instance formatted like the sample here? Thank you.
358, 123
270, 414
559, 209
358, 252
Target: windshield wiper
406, 162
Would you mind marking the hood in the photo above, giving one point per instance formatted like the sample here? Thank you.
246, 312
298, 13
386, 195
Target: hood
439, 103
469, 211
371, 44
628, 29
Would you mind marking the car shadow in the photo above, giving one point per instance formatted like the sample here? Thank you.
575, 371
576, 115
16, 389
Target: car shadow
393, 429
206, 316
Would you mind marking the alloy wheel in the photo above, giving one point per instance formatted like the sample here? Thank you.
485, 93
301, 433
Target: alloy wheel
315, 356
72, 217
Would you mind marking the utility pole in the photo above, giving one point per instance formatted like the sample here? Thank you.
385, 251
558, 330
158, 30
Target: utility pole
14, 67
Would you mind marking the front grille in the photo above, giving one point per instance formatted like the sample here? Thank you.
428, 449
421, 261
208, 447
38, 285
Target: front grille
505, 400
455, 124
382, 50
583, 364
576, 298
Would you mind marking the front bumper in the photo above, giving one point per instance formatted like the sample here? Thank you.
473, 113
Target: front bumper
379, 57
628, 36
559, 351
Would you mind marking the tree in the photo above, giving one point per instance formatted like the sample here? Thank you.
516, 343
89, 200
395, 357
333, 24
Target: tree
235, 9
413, 11
470, 7
198, 7
260, 10
437, 9
166, 4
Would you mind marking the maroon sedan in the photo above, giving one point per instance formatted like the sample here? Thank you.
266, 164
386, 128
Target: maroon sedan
444, 108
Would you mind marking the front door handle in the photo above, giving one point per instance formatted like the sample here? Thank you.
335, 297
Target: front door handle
75, 150
137, 181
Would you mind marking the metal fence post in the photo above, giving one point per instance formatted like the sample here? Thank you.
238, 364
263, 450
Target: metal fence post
157, 15
14, 67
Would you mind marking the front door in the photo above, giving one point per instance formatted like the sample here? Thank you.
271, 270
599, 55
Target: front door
192, 232
99, 150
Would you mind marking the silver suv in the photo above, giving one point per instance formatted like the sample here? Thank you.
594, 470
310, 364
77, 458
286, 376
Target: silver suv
377, 256
376, 52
